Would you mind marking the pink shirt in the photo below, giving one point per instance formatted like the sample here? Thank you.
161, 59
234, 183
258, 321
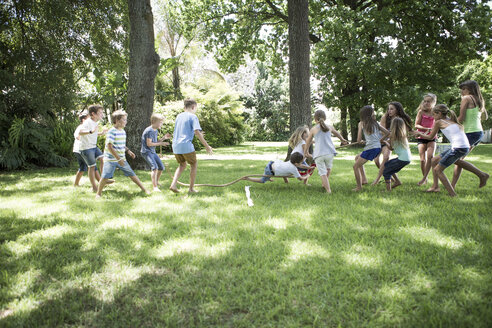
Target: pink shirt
427, 122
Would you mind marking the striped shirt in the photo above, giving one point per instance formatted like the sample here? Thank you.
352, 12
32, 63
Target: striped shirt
118, 139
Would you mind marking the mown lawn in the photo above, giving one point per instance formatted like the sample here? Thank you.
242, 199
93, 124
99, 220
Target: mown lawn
298, 257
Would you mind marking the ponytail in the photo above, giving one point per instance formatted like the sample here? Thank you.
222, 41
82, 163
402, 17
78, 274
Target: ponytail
446, 112
320, 116
452, 116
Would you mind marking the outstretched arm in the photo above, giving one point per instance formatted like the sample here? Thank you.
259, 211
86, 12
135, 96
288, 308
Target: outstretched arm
309, 141
338, 135
200, 137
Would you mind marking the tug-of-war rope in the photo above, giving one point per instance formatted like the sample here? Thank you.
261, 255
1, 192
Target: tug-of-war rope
309, 171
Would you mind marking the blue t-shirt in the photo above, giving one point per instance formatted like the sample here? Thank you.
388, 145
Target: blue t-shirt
184, 131
149, 133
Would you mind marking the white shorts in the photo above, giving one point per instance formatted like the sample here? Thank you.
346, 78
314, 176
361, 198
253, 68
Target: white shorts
324, 163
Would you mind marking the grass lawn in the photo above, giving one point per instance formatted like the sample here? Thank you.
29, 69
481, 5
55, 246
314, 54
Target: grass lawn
298, 257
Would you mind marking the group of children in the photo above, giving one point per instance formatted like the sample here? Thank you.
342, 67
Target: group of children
390, 134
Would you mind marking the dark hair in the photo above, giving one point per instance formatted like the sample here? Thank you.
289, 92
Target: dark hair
369, 123
296, 158
93, 109
117, 115
83, 115
400, 112
446, 112
189, 103
475, 92
320, 116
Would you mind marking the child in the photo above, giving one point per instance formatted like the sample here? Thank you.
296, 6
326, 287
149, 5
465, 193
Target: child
472, 111
424, 123
186, 127
447, 121
395, 109
296, 142
114, 153
149, 141
88, 142
76, 149
399, 143
281, 169
372, 135
324, 150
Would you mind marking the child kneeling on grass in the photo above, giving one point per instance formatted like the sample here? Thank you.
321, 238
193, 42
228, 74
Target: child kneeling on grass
114, 153
281, 169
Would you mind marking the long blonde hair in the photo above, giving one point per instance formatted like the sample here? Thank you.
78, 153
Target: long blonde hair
296, 137
398, 132
369, 123
431, 95
446, 112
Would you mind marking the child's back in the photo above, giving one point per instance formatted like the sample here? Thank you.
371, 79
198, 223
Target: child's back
323, 144
372, 139
184, 132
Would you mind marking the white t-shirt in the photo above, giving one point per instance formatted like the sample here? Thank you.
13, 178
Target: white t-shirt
89, 141
282, 168
298, 148
76, 143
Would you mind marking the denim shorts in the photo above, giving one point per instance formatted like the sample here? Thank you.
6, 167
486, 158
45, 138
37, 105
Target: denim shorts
474, 138
393, 166
110, 167
268, 171
80, 160
324, 163
370, 154
91, 155
153, 160
450, 156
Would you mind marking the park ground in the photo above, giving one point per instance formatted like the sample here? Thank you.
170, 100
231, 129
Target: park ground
298, 257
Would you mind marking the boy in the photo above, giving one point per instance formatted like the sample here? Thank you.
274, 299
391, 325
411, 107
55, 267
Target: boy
114, 153
186, 127
149, 141
282, 169
88, 142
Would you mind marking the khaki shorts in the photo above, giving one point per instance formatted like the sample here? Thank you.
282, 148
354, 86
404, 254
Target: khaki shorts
182, 158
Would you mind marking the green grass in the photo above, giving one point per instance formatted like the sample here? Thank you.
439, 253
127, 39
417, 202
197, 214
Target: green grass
298, 257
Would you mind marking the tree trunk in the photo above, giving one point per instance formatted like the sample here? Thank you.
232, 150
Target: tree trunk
343, 122
144, 63
300, 93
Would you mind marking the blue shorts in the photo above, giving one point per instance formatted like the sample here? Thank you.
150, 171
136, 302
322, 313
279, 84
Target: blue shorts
450, 156
153, 160
91, 155
80, 160
268, 171
110, 167
370, 154
474, 138
393, 166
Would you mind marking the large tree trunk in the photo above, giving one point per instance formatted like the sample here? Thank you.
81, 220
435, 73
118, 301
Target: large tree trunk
144, 63
300, 93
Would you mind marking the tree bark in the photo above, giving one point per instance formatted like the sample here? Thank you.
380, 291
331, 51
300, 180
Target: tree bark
144, 63
299, 84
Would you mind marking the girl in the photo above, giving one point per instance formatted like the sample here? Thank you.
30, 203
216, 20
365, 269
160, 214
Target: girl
399, 143
447, 121
297, 142
372, 134
395, 109
324, 150
472, 110
424, 123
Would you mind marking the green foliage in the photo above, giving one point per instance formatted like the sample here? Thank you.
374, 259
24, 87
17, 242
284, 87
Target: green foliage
62, 138
267, 109
219, 113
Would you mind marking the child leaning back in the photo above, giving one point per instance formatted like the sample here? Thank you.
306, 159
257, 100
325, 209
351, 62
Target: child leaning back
398, 143
281, 169
114, 153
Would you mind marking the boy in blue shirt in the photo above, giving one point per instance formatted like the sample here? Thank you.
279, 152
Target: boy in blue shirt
185, 128
149, 141
114, 153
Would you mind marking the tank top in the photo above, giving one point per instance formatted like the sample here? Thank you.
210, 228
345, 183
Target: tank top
372, 140
323, 144
402, 152
472, 120
456, 136
427, 122
298, 148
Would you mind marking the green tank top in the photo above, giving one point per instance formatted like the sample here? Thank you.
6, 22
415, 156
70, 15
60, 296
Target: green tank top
472, 120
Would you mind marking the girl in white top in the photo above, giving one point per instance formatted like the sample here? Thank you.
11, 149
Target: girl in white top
297, 142
324, 150
446, 121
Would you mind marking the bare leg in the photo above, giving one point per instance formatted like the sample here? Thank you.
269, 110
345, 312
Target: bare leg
358, 171
102, 184
386, 154
429, 154
193, 169
177, 174
397, 181
388, 184
325, 181
376, 161
139, 183
92, 178
158, 176
258, 180
363, 177
286, 180
153, 178
435, 184
439, 171
78, 176
462, 164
